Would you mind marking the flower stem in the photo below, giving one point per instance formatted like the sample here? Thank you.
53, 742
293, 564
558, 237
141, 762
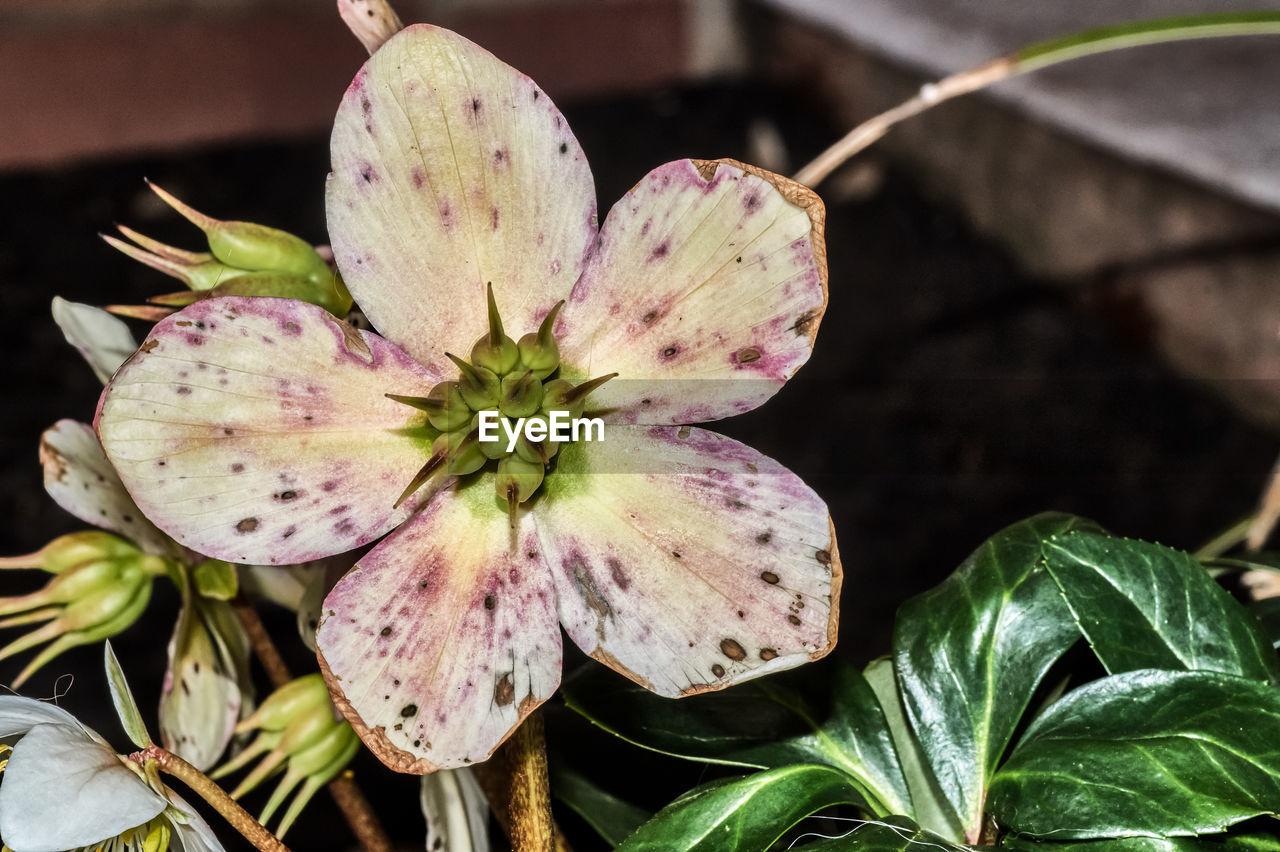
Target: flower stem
1031, 58
532, 829
357, 811
199, 783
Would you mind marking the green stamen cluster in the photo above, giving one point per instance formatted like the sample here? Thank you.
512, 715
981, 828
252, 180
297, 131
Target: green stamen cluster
516, 382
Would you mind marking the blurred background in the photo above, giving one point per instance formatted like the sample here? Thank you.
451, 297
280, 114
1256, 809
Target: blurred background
1060, 294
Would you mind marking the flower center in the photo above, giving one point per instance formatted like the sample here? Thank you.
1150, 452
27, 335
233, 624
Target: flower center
508, 409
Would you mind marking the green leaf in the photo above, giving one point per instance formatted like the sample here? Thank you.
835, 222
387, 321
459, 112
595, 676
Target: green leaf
122, 698
929, 806
744, 814
1146, 752
1144, 606
892, 834
823, 713
1255, 841
216, 579
971, 651
611, 817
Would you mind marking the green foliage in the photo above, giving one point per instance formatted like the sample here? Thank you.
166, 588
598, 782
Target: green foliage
936, 745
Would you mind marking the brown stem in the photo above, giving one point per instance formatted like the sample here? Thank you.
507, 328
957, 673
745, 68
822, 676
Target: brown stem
531, 824
359, 814
199, 783
265, 650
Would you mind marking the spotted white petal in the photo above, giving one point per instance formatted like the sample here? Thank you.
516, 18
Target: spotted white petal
79, 478
62, 789
440, 641
451, 169
257, 430
205, 681
102, 339
704, 295
686, 560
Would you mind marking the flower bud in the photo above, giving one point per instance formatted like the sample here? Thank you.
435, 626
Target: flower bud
301, 733
465, 455
538, 350
495, 351
521, 395
244, 259
479, 387
100, 585
518, 479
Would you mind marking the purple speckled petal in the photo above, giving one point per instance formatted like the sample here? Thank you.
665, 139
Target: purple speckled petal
704, 295
80, 479
686, 560
444, 638
257, 430
452, 169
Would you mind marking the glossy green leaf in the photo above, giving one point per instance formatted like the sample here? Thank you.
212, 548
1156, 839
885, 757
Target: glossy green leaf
744, 814
1145, 752
822, 713
929, 807
122, 698
971, 651
612, 818
1253, 841
1144, 606
892, 834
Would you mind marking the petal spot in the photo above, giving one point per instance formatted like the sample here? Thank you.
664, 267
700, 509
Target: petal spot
247, 525
504, 691
748, 355
490, 602
769, 577
386, 631
824, 556
768, 654
717, 670
408, 710
764, 538
732, 649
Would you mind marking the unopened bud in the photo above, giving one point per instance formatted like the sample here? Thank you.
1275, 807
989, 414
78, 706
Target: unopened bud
479, 386
538, 350
495, 351
518, 479
521, 395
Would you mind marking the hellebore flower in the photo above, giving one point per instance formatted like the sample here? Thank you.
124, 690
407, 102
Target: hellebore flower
261, 430
65, 788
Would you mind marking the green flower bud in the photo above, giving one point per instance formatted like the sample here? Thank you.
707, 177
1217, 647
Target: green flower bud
521, 395
518, 479
496, 449
464, 454
85, 601
448, 410
538, 350
245, 259
495, 351
479, 386
286, 703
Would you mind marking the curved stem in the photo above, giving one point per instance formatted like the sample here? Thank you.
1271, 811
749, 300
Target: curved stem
1036, 56
227, 807
357, 811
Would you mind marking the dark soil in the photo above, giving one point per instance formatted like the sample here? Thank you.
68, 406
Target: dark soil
948, 394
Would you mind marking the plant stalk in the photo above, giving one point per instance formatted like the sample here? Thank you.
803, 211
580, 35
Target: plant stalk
532, 828
227, 807
1032, 58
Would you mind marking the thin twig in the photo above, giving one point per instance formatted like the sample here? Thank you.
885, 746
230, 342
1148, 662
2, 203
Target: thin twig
227, 807
359, 814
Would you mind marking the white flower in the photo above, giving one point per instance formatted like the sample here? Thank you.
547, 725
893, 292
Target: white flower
65, 788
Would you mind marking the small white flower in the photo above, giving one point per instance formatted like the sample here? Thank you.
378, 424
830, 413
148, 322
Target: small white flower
65, 788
